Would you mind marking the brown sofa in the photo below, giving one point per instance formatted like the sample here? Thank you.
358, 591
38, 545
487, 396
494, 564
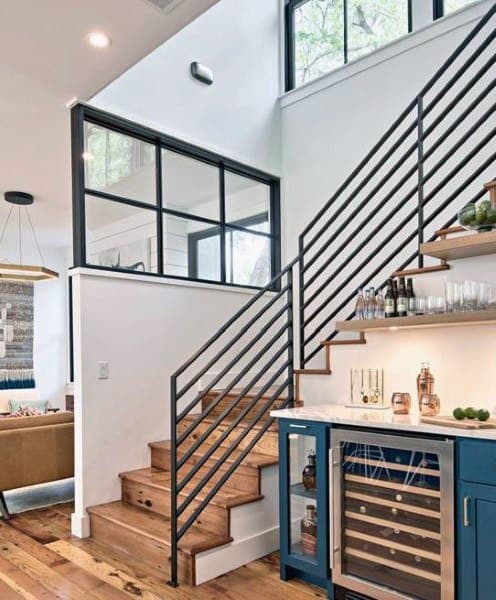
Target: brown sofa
35, 450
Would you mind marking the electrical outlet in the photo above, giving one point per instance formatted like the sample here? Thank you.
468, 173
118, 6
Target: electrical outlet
103, 370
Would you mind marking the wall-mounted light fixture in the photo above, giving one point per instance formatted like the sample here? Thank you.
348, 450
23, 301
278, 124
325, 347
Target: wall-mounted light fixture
202, 73
19, 271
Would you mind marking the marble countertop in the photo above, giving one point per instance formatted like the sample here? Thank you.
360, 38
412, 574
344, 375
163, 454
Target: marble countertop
378, 419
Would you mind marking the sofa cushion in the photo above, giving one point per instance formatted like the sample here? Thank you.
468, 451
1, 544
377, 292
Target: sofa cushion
39, 405
38, 421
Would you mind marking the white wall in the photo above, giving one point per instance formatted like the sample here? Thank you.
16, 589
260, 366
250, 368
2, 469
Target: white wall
238, 115
145, 328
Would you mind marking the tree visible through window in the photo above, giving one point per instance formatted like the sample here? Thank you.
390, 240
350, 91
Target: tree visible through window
329, 33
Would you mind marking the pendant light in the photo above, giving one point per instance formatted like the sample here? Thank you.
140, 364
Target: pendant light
19, 271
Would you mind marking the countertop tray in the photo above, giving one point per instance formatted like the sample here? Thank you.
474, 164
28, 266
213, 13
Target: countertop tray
449, 421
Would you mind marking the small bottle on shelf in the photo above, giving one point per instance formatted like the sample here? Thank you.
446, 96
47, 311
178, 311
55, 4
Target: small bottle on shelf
309, 531
402, 301
309, 476
389, 301
411, 301
366, 303
360, 305
371, 305
379, 306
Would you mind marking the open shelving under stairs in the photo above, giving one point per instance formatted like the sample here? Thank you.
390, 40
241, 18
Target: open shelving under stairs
239, 524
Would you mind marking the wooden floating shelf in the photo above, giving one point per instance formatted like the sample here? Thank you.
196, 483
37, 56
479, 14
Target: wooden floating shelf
464, 246
483, 317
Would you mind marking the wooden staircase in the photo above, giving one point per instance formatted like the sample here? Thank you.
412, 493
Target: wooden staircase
138, 525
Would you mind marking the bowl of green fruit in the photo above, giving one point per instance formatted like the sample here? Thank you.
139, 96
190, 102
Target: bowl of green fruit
478, 217
471, 413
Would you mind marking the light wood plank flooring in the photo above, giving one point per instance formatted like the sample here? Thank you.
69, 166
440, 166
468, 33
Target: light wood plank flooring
40, 560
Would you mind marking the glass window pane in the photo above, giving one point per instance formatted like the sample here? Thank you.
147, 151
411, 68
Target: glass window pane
319, 39
247, 201
120, 236
452, 5
374, 23
191, 248
119, 164
190, 186
247, 258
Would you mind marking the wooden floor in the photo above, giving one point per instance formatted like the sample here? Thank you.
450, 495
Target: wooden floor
39, 559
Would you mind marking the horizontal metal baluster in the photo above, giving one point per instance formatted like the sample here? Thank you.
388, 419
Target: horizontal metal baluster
249, 426
458, 50
405, 221
192, 449
240, 354
231, 343
444, 205
460, 119
461, 71
234, 318
228, 473
377, 167
461, 95
228, 389
399, 121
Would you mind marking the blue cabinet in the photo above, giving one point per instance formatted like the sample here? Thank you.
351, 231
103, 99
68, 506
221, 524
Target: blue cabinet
304, 550
476, 521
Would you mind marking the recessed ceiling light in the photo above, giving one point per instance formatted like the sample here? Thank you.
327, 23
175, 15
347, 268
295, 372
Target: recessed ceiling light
98, 39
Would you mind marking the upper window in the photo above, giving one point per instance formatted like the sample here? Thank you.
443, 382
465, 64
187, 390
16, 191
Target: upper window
323, 35
145, 202
444, 7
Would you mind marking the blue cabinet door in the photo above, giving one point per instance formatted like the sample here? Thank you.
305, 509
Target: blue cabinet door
296, 440
476, 542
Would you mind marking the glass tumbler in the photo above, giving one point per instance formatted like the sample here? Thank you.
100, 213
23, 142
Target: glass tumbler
469, 295
483, 295
453, 296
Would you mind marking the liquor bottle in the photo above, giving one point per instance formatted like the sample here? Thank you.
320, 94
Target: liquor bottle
366, 303
402, 301
360, 305
309, 475
410, 294
371, 305
309, 531
379, 306
425, 381
389, 301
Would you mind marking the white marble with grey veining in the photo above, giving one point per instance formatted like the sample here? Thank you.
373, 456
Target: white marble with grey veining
376, 419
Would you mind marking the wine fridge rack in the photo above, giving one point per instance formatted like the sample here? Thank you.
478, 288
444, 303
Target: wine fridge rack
393, 515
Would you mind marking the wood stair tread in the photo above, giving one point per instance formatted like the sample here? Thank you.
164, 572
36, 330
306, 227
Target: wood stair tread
157, 527
254, 459
225, 498
251, 394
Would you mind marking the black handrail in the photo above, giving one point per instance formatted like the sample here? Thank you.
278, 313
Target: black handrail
271, 326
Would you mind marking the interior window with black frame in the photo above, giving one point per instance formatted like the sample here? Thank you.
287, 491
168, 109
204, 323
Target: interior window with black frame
323, 35
151, 204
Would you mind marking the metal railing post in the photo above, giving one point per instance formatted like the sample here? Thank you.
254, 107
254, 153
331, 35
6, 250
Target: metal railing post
290, 315
420, 171
173, 470
301, 308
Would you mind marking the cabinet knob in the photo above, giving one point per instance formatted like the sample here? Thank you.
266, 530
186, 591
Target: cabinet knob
399, 498
394, 511
363, 510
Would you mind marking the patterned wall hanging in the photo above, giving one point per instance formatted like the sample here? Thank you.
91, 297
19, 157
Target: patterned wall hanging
16, 335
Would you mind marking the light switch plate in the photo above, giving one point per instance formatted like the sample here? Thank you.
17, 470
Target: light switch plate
103, 370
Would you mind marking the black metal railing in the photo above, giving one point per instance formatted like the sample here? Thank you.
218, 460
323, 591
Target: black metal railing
370, 223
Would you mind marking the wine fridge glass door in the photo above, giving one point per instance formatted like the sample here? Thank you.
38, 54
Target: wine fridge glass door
393, 515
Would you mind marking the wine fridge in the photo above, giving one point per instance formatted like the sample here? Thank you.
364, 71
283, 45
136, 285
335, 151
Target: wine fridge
393, 522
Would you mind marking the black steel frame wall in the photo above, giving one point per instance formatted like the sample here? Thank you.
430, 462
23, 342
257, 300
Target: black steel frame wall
81, 114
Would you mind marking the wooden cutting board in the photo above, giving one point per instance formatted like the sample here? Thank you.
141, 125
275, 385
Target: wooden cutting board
449, 421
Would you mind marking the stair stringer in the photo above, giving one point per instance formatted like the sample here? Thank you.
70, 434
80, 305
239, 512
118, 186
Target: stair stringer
254, 529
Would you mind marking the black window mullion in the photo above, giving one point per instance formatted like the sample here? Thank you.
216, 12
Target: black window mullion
345, 30
160, 203
222, 212
438, 9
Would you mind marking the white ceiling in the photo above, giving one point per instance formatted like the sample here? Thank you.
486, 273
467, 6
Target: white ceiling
45, 62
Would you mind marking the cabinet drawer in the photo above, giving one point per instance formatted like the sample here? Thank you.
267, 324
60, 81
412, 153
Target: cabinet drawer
477, 461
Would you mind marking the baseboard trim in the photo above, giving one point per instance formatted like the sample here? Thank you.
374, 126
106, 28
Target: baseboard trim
216, 562
80, 525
